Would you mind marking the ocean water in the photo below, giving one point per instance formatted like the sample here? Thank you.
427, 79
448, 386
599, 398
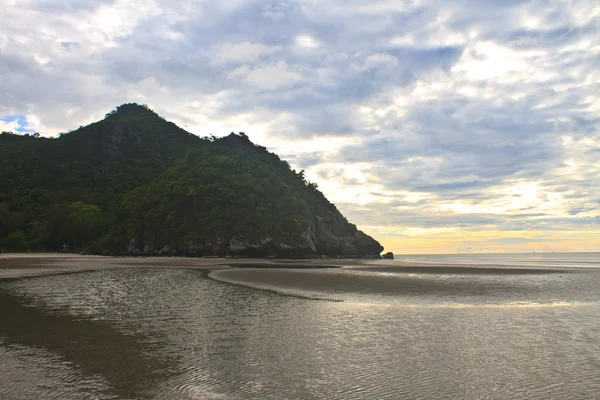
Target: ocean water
418, 327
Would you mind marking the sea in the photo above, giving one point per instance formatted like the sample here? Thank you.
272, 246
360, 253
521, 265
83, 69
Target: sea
462, 326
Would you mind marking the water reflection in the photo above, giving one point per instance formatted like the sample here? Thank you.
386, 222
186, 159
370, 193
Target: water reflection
117, 364
173, 334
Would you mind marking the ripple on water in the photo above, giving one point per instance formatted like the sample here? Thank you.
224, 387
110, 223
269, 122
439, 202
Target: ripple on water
209, 340
33, 373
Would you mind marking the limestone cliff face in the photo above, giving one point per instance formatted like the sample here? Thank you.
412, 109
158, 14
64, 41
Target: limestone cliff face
111, 145
350, 244
336, 237
330, 236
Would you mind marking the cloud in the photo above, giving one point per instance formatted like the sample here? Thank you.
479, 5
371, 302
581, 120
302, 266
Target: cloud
267, 78
241, 53
14, 123
469, 115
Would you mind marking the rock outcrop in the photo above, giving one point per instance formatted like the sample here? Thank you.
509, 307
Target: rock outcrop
336, 237
388, 256
331, 240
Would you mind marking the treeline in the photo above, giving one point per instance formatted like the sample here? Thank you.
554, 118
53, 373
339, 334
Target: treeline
61, 227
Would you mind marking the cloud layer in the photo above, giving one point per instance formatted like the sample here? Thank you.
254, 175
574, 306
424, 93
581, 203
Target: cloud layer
436, 126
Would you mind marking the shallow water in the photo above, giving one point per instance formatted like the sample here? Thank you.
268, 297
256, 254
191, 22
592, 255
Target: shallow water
391, 333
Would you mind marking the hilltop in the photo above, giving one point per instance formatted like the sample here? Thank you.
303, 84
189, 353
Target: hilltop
134, 183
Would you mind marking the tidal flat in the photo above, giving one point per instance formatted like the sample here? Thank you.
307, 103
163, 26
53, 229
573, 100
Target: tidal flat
80, 327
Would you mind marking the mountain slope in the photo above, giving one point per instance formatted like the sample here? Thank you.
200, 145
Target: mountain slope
135, 183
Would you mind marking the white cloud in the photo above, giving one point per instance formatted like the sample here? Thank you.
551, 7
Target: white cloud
306, 41
244, 52
10, 126
488, 60
269, 77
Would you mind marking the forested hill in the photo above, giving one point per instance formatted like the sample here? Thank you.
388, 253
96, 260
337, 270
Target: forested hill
134, 183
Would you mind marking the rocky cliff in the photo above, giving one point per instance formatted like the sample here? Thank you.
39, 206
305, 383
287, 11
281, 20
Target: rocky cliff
322, 239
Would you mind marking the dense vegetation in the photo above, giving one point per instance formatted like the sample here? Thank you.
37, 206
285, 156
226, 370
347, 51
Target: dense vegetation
134, 182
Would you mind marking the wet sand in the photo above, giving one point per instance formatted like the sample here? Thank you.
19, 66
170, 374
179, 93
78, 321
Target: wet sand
359, 278
96, 348
454, 270
27, 265
332, 283
14, 266
324, 279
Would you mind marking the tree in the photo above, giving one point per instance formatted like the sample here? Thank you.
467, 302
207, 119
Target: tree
85, 220
39, 234
16, 241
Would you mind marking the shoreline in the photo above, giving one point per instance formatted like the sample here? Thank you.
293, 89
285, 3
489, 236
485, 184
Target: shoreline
17, 265
26, 265
346, 280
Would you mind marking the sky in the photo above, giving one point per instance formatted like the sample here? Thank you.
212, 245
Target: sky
435, 126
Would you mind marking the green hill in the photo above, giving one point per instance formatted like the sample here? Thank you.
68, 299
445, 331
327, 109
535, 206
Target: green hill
134, 183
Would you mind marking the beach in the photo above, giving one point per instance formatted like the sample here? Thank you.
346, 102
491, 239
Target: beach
471, 327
